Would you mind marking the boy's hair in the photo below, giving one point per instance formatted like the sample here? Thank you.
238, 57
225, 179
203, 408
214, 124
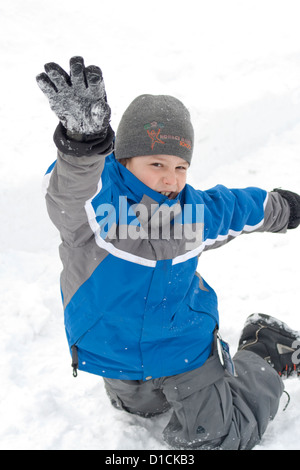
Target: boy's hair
155, 124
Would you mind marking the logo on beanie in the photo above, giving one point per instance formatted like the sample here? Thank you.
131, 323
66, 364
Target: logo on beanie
186, 143
154, 132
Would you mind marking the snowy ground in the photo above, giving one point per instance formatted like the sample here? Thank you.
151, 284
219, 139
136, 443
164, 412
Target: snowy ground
236, 65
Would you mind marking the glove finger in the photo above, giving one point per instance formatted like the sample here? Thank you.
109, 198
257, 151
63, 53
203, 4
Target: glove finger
77, 72
46, 85
95, 81
58, 76
93, 75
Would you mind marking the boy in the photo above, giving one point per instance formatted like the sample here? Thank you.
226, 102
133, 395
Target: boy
136, 311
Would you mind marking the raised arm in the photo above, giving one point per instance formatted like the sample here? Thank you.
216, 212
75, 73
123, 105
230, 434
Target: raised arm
83, 137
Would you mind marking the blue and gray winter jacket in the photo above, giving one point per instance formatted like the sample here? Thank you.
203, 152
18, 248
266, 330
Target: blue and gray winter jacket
135, 306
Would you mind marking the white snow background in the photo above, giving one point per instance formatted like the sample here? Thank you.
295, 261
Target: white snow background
236, 65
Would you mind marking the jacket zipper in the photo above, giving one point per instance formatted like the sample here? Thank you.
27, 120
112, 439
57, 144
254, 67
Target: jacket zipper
74, 350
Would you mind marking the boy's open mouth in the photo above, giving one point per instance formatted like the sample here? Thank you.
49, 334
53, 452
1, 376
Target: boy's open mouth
169, 194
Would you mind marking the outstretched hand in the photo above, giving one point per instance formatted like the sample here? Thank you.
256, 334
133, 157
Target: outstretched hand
293, 200
79, 99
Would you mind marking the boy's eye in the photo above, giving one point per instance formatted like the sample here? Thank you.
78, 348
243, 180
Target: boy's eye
159, 165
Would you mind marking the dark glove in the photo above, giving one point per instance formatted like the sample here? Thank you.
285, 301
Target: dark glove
294, 202
79, 99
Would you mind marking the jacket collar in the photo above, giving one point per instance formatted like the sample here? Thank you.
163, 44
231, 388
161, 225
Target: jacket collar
136, 188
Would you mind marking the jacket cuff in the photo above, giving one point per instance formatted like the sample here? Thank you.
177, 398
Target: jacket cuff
293, 200
87, 146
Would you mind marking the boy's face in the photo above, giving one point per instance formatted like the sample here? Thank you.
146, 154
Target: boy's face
165, 174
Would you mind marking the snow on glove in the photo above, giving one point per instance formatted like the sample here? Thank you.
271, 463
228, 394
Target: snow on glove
294, 202
79, 99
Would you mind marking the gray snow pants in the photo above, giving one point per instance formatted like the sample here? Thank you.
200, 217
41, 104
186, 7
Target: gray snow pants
211, 408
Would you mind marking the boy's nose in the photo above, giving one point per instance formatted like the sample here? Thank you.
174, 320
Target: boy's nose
170, 179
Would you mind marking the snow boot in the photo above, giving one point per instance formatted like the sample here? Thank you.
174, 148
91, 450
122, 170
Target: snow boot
274, 341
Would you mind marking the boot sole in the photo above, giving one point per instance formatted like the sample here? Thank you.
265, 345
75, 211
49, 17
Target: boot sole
272, 323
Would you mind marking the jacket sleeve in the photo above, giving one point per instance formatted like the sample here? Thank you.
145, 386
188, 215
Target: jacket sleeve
232, 212
70, 182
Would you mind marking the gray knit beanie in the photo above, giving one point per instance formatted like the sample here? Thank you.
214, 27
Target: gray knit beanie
155, 125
